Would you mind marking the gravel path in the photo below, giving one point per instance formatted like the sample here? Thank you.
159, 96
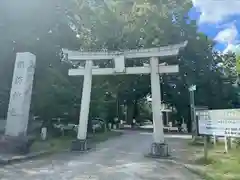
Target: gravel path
121, 158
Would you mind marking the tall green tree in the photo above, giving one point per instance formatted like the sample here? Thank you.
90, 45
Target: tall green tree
109, 25
143, 24
117, 25
39, 27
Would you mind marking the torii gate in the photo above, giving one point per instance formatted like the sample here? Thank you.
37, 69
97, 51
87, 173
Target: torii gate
159, 148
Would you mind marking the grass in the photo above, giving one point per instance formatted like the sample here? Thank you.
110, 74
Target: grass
220, 165
52, 144
196, 143
99, 137
61, 143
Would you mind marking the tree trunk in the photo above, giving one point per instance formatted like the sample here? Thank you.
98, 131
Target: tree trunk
130, 112
137, 112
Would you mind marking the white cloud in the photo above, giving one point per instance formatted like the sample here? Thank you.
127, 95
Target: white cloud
215, 11
227, 36
230, 47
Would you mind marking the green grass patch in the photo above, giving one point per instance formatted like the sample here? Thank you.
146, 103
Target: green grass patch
52, 144
196, 143
99, 137
221, 165
64, 142
203, 161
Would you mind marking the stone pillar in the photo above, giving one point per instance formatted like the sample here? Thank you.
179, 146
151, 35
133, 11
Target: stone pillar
15, 139
81, 143
20, 97
159, 148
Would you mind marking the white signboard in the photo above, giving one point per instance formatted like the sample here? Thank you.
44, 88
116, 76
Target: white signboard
225, 122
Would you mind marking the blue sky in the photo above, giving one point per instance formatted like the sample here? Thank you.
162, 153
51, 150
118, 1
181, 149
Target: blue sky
219, 20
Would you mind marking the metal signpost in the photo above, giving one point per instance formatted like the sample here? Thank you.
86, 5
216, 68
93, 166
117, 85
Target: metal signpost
192, 109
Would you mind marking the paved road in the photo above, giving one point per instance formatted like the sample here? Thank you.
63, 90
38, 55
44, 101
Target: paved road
120, 158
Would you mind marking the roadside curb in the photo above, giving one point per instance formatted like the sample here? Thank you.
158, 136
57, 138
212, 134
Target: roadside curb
138, 129
198, 171
193, 168
6, 161
151, 130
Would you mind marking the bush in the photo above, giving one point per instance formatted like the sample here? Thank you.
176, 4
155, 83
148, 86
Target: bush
203, 161
237, 142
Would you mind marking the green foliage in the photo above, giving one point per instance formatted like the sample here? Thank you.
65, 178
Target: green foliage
23, 29
110, 25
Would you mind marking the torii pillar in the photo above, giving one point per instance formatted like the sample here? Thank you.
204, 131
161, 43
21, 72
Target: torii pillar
159, 147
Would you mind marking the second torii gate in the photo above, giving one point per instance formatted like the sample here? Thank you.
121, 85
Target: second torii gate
159, 147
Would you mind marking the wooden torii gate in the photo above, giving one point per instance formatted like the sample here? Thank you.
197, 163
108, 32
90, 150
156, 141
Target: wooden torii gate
159, 147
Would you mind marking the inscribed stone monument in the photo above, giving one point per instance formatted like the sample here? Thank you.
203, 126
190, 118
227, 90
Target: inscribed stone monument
20, 97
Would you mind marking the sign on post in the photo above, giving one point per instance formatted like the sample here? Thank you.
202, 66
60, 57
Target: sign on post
225, 122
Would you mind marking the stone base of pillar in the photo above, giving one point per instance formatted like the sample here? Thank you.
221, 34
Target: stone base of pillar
159, 150
15, 145
80, 145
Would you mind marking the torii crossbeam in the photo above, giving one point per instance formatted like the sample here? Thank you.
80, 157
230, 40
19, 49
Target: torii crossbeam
159, 147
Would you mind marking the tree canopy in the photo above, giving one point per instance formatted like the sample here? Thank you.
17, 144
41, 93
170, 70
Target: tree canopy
44, 27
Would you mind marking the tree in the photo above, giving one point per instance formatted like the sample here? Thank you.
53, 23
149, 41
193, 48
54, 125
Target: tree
110, 25
128, 25
22, 29
199, 65
228, 66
